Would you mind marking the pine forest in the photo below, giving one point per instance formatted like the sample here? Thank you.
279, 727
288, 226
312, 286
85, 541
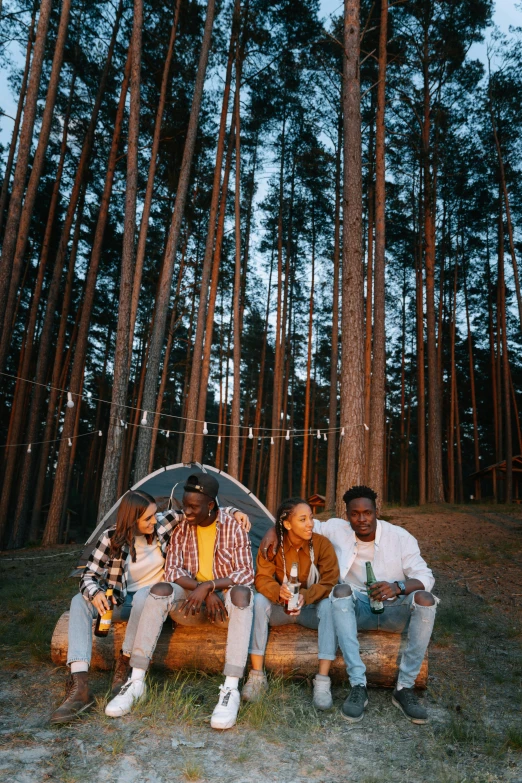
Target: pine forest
252, 235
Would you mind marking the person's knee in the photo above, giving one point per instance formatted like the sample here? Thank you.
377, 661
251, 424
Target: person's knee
423, 598
342, 591
162, 589
240, 596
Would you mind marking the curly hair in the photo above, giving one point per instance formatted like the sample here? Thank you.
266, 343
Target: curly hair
360, 491
132, 507
283, 512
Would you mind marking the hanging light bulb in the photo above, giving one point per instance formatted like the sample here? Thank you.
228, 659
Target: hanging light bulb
144, 418
318, 433
287, 436
205, 428
29, 449
69, 441
342, 432
324, 436
250, 433
167, 434
70, 401
272, 441
366, 427
219, 438
122, 423
99, 433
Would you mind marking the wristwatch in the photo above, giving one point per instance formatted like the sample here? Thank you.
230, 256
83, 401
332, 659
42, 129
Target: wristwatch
401, 586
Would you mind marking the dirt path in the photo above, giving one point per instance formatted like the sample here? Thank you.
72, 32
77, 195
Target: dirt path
474, 695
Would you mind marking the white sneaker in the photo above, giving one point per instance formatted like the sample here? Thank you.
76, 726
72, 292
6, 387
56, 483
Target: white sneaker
225, 711
322, 693
131, 692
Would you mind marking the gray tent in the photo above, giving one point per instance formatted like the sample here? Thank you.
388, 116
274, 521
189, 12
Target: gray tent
168, 481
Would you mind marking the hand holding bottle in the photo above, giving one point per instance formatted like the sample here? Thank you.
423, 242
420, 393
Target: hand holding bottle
101, 602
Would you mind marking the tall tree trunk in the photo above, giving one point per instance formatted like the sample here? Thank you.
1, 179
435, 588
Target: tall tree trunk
111, 465
307, 435
378, 401
58, 497
351, 453
192, 443
26, 212
22, 160
272, 494
508, 493
403, 492
331, 457
435, 482
162, 300
421, 388
369, 295
17, 119
235, 421
147, 201
476, 450
453, 391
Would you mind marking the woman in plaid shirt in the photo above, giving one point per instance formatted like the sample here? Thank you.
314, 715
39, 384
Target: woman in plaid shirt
208, 576
129, 558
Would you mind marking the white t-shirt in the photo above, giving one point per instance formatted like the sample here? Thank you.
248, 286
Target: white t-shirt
149, 567
356, 576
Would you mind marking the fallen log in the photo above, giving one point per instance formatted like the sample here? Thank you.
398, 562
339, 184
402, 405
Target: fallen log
291, 650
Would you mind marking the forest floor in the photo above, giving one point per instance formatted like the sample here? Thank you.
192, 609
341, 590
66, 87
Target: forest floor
474, 694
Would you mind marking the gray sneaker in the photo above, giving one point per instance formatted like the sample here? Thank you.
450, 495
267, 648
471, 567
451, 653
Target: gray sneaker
406, 701
255, 686
322, 693
354, 706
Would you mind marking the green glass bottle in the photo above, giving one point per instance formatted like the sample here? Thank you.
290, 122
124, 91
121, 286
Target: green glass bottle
377, 607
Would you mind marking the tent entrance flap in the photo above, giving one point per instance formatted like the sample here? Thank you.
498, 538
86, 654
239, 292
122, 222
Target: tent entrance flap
160, 484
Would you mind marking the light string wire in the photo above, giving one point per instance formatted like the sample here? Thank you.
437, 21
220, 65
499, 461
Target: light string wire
261, 432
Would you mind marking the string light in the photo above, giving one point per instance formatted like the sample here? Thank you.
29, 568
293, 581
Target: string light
366, 427
205, 428
250, 433
167, 434
272, 441
219, 438
324, 436
69, 442
100, 433
29, 449
342, 432
144, 419
287, 436
122, 423
70, 401
318, 433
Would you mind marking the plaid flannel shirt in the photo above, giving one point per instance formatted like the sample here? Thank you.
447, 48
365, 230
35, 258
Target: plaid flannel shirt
101, 565
232, 552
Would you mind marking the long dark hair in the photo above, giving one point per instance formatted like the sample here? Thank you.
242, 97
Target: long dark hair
283, 512
132, 507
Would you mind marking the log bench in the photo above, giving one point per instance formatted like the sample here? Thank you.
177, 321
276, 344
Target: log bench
291, 650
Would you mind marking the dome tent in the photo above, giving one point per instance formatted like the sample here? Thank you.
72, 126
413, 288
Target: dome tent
168, 482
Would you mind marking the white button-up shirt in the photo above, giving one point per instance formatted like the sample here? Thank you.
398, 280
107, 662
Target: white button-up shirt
397, 555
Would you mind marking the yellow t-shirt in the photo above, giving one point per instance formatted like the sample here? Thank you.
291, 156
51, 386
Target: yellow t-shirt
206, 543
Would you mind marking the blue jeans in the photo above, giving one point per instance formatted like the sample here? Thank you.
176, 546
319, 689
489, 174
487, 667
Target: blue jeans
315, 616
82, 614
353, 613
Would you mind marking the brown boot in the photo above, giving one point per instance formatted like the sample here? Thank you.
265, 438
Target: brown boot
121, 673
78, 698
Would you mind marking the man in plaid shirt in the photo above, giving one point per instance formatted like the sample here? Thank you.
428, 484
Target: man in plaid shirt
208, 576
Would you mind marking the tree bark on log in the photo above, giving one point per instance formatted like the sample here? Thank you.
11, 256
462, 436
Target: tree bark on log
291, 650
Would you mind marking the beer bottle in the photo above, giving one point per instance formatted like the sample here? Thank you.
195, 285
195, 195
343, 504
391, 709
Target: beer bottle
377, 607
103, 623
293, 585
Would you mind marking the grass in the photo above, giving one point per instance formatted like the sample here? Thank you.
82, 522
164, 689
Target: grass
192, 770
513, 739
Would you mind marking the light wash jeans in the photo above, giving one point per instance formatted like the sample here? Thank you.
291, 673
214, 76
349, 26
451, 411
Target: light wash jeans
83, 613
154, 614
315, 616
353, 613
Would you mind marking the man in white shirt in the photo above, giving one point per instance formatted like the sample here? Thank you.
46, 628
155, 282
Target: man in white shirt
403, 584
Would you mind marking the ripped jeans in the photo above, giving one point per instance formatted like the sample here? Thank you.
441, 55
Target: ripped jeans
154, 614
353, 613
